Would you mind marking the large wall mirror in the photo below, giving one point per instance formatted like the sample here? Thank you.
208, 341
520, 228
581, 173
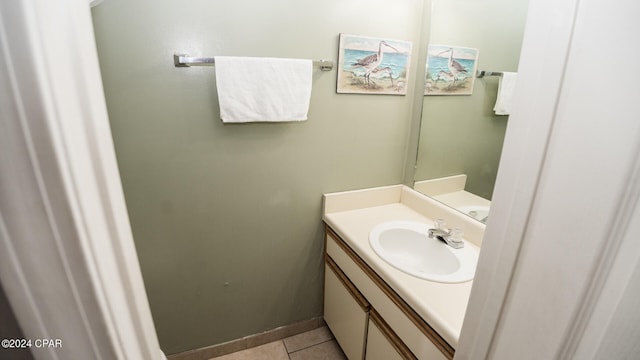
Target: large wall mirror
461, 137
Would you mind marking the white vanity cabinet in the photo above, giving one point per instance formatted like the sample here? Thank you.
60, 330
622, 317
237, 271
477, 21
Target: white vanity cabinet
368, 318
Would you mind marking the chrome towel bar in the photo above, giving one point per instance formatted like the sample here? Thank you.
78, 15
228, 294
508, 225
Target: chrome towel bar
483, 73
184, 60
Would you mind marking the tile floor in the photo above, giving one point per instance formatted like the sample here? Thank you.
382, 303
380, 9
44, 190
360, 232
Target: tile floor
317, 344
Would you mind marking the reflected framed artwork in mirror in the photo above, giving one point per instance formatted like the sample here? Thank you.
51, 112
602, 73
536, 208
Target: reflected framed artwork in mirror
450, 70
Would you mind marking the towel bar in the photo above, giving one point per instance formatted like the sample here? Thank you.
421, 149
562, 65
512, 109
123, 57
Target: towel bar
483, 73
184, 60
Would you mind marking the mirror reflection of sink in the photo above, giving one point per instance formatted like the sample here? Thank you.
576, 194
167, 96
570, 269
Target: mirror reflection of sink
480, 213
406, 246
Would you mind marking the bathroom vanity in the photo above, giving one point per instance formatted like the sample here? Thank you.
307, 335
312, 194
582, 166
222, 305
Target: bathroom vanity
375, 310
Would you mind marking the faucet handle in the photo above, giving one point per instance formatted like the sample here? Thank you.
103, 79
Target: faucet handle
456, 234
455, 239
440, 224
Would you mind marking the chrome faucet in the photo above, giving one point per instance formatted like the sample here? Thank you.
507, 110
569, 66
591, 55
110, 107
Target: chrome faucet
451, 237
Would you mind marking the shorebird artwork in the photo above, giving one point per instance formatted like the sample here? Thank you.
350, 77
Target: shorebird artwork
381, 72
445, 76
371, 62
368, 65
450, 70
455, 68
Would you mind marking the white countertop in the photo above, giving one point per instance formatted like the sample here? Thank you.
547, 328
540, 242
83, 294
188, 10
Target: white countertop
352, 215
450, 190
458, 199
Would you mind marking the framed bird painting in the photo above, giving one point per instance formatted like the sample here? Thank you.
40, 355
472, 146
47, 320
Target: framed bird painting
450, 70
368, 65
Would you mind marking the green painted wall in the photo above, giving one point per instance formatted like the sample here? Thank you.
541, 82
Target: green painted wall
462, 134
227, 218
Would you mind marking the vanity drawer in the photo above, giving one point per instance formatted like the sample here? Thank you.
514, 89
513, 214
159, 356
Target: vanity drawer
419, 337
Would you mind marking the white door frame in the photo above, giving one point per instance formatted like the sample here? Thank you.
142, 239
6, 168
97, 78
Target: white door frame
560, 249
67, 258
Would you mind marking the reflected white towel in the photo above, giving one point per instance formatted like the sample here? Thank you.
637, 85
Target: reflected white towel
263, 89
506, 86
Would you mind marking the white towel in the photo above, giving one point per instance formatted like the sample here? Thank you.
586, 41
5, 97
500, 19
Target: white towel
263, 89
506, 86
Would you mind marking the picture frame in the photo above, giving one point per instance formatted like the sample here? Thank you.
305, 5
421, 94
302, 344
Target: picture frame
451, 70
370, 65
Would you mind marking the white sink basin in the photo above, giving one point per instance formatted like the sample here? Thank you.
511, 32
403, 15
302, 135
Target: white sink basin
406, 246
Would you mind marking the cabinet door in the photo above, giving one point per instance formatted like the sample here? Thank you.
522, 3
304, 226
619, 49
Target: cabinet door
383, 343
345, 313
378, 347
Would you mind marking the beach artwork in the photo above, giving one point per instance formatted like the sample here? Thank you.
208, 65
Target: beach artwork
368, 65
450, 70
